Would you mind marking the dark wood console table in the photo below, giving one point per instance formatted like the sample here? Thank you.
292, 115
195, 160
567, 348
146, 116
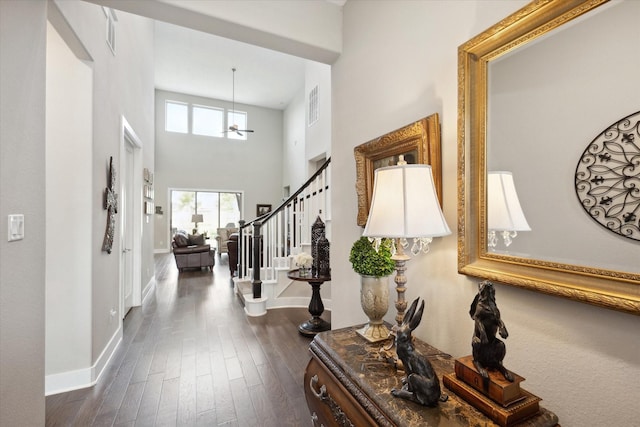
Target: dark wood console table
346, 385
316, 324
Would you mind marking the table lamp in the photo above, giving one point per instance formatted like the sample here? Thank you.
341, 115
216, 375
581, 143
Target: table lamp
196, 218
504, 213
405, 206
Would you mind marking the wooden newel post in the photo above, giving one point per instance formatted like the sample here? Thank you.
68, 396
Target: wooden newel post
242, 268
257, 283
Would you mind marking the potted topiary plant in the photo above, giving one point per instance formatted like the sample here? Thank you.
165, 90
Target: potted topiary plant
374, 265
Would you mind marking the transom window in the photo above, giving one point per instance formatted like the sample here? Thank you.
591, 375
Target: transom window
204, 120
176, 117
208, 121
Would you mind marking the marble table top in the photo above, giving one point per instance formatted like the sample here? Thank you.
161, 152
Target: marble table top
359, 362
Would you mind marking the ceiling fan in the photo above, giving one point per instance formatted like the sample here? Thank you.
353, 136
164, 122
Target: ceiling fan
234, 127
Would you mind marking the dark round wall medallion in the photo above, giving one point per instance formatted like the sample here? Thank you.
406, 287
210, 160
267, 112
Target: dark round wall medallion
608, 178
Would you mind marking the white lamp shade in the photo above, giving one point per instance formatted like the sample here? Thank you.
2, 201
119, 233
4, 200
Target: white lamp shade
405, 204
196, 218
503, 207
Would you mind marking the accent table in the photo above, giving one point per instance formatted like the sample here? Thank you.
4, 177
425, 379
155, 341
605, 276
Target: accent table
345, 385
314, 325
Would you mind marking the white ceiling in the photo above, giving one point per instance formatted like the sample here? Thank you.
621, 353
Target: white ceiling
199, 63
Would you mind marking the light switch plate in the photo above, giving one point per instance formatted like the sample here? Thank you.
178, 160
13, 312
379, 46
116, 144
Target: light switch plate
16, 227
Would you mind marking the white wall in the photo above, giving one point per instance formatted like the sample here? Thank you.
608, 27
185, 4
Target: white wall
304, 144
318, 136
399, 64
309, 30
69, 127
189, 161
294, 171
22, 178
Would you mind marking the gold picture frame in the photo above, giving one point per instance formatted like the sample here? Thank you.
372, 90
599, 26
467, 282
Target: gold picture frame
579, 281
419, 142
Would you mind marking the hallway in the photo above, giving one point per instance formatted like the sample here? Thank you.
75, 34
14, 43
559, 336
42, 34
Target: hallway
190, 356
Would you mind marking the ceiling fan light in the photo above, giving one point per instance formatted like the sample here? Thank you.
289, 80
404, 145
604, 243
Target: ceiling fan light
234, 127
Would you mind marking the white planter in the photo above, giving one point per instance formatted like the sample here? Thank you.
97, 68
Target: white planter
374, 298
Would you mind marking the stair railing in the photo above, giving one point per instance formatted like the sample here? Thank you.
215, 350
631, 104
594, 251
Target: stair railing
265, 243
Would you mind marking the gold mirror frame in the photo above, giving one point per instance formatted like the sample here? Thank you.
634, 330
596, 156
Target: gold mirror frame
421, 137
607, 288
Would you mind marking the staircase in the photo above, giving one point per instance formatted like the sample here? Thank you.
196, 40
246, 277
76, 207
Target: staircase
269, 241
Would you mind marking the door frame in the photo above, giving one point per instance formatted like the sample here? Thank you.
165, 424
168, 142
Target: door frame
128, 136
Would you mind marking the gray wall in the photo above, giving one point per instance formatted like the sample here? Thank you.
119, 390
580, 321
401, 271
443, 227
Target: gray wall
22, 178
540, 126
123, 86
186, 161
68, 298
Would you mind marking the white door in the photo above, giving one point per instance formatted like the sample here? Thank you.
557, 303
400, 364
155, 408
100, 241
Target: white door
126, 210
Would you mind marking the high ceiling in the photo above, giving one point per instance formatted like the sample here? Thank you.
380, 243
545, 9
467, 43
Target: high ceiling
198, 63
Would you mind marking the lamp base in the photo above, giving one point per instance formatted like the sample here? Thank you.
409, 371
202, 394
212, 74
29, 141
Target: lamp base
374, 333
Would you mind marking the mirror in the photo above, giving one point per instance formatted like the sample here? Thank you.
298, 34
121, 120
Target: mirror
534, 91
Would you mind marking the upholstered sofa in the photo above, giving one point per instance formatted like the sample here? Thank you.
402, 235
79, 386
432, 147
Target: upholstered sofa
190, 251
223, 238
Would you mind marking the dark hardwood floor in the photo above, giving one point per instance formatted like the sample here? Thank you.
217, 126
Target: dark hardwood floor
190, 356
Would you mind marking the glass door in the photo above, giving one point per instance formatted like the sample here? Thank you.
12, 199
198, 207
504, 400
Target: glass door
218, 209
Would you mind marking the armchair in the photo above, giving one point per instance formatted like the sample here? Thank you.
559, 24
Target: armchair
223, 237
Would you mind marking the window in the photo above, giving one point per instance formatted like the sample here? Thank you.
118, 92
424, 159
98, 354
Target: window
239, 119
208, 121
217, 210
111, 28
176, 117
205, 120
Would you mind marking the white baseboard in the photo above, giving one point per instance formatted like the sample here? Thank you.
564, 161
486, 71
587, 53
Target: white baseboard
107, 354
147, 289
161, 251
67, 381
86, 377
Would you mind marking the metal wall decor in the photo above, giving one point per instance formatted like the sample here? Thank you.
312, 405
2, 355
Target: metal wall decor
607, 178
111, 205
148, 192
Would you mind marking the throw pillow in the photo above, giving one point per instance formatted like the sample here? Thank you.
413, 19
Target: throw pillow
181, 240
196, 239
